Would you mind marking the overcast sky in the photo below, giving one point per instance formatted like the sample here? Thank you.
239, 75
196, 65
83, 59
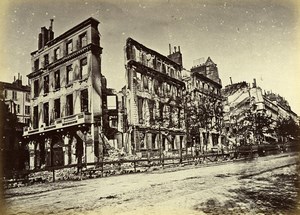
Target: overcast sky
246, 39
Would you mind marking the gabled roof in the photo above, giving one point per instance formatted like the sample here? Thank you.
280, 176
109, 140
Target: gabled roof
209, 62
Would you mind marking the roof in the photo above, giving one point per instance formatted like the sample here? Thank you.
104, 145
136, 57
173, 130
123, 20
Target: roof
163, 57
86, 22
14, 86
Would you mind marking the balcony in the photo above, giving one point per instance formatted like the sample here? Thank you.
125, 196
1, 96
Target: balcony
64, 122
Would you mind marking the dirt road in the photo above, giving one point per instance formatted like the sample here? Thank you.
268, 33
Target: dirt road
266, 185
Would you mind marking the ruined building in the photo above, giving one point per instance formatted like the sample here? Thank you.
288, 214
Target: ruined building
65, 97
154, 92
245, 105
204, 102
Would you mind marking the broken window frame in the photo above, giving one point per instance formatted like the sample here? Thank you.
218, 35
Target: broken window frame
69, 77
46, 113
83, 68
57, 80
36, 89
35, 117
84, 100
57, 53
69, 46
69, 105
46, 84
82, 40
46, 60
57, 112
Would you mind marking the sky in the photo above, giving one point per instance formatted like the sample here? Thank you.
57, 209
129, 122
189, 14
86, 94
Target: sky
246, 39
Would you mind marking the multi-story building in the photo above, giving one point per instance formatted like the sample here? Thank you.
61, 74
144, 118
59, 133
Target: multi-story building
154, 92
242, 101
204, 97
66, 97
17, 97
113, 104
15, 114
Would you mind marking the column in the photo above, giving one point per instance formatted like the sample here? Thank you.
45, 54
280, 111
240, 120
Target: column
66, 150
210, 143
31, 154
89, 145
201, 140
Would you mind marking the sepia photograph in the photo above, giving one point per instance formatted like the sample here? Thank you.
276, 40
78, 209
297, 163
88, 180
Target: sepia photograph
149, 107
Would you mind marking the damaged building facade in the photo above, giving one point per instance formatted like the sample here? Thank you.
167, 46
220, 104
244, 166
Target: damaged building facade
66, 97
245, 103
154, 92
204, 106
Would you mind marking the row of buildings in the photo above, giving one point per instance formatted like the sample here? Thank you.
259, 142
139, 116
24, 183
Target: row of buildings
163, 109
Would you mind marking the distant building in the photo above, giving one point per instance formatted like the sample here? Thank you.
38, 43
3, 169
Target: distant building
15, 114
17, 97
66, 97
243, 99
204, 91
154, 92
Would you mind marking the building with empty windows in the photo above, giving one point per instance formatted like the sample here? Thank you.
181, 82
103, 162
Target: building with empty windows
204, 106
155, 111
65, 96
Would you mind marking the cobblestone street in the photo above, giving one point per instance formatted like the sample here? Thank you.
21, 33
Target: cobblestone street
265, 185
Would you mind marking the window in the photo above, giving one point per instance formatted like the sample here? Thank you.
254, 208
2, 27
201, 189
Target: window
69, 105
57, 80
18, 109
153, 141
46, 59
112, 102
56, 108
83, 40
27, 95
14, 95
36, 64
46, 84
35, 117
151, 111
69, 47
46, 113
5, 94
27, 109
57, 53
36, 88
84, 100
69, 74
83, 68
140, 109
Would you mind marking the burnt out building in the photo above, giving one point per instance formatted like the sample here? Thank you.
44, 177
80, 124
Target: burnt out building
66, 97
204, 96
154, 92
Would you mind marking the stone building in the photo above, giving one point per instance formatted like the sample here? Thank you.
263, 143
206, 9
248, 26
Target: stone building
244, 100
66, 100
14, 115
204, 100
154, 92
17, 97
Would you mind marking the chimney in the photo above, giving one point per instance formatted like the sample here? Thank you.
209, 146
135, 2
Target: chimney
254, 83
230, 80
51, 24
170, 49
178, 48
175, 49
50, 32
